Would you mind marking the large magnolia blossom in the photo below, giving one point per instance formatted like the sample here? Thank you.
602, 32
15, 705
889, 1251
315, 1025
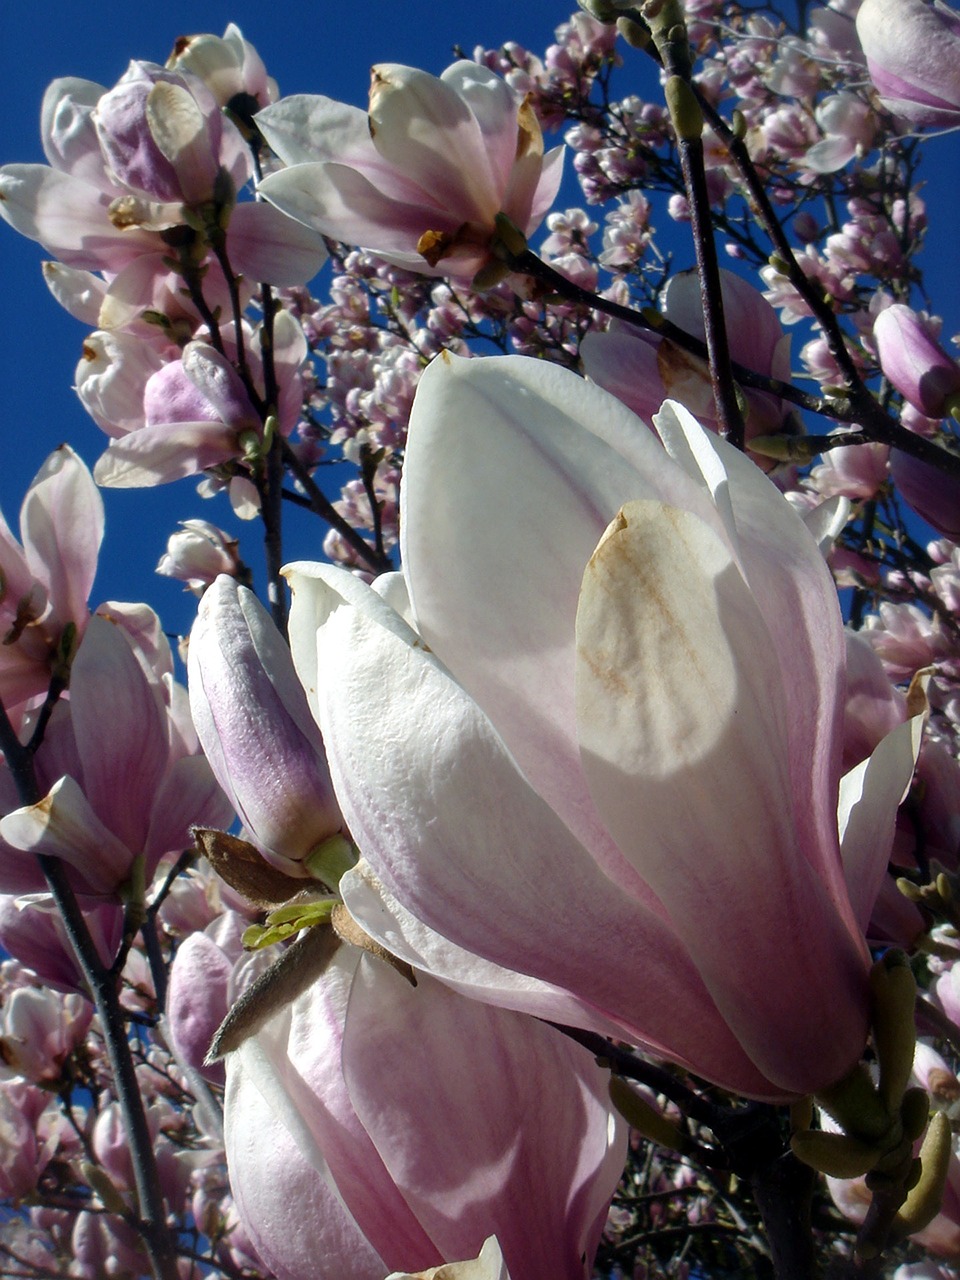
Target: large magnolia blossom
420, 179
609, 754
376, 1125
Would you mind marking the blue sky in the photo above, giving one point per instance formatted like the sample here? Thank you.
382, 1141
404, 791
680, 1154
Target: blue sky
313, 47
317, 47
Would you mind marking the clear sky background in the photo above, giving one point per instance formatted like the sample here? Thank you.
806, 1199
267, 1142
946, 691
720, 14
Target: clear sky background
315, 46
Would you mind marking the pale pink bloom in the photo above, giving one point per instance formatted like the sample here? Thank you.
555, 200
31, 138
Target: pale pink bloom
254, 722
407, 1124
913, 56
44, 584
855, 471
197, 554
228, 65
420, 179
121, 770
39, 1029
29, 1136
125, 166
914, 362
906, 638
849, 127
643, 371
668, 746
197, 412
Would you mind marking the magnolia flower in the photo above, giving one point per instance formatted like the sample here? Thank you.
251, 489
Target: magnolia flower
643, 370
610, 759
197, 553
228, 65
121, 768
376, 1125
913, 56
421, 179
128, 169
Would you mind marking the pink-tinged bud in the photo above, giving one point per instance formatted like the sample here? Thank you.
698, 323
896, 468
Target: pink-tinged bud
913, 56
914, 362
933, 494
198, 554
254, 724
227, 65
422, 178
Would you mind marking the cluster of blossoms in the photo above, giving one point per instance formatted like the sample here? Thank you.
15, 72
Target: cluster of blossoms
477, 913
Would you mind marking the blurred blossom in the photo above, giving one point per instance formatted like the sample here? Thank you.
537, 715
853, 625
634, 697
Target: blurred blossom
913, 56
198, 553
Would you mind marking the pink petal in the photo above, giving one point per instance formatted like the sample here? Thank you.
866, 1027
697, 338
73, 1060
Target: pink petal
457, 1096
63, 825
120, 730
61, 523
164, 452
682, 720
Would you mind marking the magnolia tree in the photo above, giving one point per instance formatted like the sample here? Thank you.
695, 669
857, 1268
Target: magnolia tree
559, 878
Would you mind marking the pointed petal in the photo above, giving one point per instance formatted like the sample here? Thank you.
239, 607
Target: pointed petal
406, 937
683, 735
163, 452
297, 1224
458, 1095
870, 795
68, 217
348, 205
264, 244
63, 825
61, 523
499, 606
120, 730
796, 596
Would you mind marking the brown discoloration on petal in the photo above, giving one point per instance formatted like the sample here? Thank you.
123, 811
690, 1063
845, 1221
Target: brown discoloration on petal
529, 133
